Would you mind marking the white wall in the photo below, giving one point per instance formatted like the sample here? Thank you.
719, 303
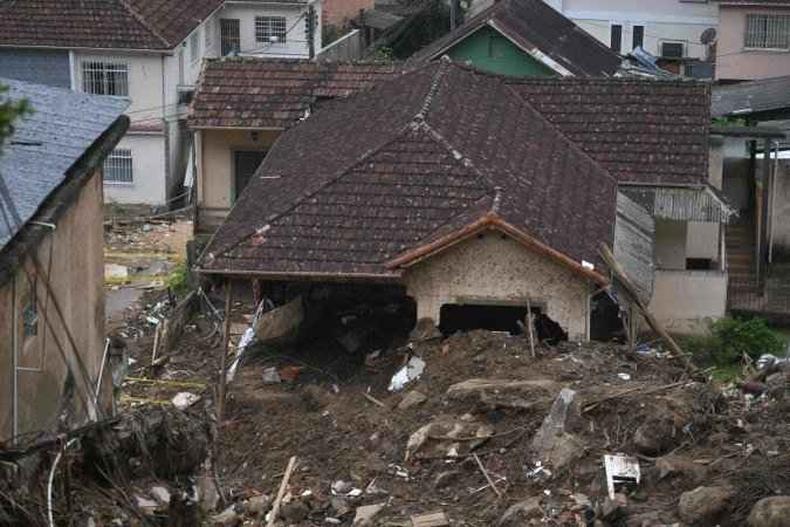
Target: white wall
687, 301
670, 244
664, 20
148, 161
296, 38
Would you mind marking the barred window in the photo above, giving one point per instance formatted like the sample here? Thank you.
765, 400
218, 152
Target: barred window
767, 31
229, 36
270, 29
118, 166
105, 78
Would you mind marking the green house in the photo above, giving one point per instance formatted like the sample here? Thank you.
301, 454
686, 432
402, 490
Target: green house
524, 38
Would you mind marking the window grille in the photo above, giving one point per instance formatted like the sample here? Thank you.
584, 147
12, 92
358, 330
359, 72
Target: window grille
229, 36
105, 78
767, 31
616, 37
118, 166
270, 29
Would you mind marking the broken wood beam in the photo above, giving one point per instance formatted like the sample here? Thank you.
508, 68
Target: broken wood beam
281, 492
487, 476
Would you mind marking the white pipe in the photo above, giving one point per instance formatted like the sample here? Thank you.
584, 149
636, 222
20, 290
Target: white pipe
771, 219
101, 370
52, 479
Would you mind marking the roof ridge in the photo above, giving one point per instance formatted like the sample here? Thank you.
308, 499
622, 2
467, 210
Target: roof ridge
432, 90
143, 22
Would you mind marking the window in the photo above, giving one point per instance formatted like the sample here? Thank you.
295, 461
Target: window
118, 166
672, 50
29, 308
638, 37
229, 36
270, 29
767, 31
616, 37
194, 46
105, 78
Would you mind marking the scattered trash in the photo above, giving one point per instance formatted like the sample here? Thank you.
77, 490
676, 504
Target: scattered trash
271, 376
624, 376
184, 400
620, 469
410, 372
431, 519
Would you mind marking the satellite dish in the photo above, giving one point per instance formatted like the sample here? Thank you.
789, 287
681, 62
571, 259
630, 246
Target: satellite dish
708, 36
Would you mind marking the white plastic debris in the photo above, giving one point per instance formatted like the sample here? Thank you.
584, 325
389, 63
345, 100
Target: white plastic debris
184, 400
624, 376
410, 372
620, 469
271, 376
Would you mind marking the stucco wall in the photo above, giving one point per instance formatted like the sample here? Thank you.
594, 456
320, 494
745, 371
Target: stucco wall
41, 66
215, 168
781, 215
77, 280
687, 301
671, 244
733, 61
663, 20
489, 51
148, 171
702, 240
494, 269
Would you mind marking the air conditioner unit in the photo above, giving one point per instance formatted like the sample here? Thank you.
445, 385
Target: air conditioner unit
672, 50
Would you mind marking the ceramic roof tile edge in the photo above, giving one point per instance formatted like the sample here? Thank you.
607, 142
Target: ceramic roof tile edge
143, 22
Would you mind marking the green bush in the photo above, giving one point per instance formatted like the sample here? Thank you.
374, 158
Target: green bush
731, 338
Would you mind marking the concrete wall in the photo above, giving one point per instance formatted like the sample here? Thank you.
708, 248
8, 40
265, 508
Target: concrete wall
663, 20
671, 240
687, 301
295, 45
41, 66
494, 269
148, 171
781, 213
734, 61
44, 389
489, 51
216, 192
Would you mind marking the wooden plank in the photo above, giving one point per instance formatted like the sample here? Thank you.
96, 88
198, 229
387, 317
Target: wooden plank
431, 519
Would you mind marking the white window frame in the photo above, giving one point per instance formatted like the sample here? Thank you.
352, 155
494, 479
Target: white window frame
103, 76
265, 29
775, 36
120, 160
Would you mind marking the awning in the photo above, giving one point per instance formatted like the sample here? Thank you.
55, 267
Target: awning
701, 203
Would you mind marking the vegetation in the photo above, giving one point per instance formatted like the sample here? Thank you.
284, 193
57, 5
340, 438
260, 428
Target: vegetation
731, 339
10, 110
178, 280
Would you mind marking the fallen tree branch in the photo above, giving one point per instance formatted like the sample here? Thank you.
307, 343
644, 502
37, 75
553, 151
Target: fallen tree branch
374, 400
635, 389
487, 476
281, 493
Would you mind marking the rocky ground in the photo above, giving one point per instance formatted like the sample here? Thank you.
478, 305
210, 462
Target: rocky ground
487, 435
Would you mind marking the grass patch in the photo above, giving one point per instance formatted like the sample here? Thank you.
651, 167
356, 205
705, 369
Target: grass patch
178, 279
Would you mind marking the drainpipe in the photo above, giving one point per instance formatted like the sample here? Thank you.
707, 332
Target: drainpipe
14, 365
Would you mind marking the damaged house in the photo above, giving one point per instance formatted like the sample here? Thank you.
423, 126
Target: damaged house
51, 258
477, 193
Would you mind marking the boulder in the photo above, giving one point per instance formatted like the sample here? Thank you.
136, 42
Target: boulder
555, 423
257, 505
703, 505
280, 325
770, 512
505, 393
365, 515
519, 513
413, 398
672, 466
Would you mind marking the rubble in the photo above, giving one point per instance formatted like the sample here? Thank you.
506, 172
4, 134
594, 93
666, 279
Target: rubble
771, 512
704, 505
366, 514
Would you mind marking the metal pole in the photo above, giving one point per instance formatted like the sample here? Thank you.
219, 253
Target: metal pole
224, 352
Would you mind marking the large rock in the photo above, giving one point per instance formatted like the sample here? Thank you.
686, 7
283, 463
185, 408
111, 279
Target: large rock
662, 429
555, 423
281, 325
704, 505
366, 515
671, 466
771, 512
505, 393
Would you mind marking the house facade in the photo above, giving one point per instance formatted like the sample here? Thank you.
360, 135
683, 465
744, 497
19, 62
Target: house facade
51, 295
754, 40
149, 53
242, 105
670, 29
524, 38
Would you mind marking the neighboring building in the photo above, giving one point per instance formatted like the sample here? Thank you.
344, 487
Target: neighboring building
51, 258
471, 189
524, 38
754, 39
670, 29
241, 107
150, 53
339, 13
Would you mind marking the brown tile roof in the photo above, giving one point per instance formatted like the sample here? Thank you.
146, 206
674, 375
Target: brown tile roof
641, 131
396, 167
531, 24
237, 92
122, 24
749, 3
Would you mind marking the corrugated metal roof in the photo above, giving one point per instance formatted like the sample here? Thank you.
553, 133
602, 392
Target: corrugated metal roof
634, 233
46, 144
753, 97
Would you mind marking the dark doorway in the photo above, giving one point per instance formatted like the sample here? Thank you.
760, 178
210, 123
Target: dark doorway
245, 164
457, 317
